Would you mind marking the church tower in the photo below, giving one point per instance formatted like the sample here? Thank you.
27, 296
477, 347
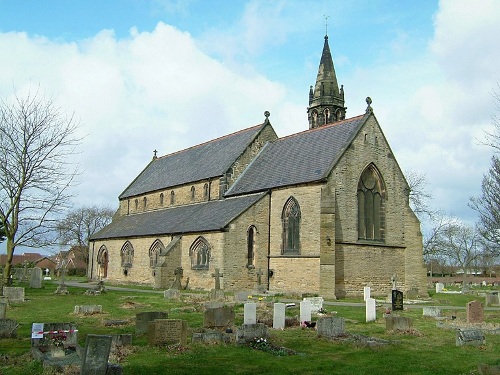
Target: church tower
326, 101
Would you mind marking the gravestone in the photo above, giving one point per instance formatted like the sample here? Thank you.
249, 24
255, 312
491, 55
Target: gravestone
19, 273
172, 294
492, 299
412, 293
8, 328
242, 296
366, 292
330, 326
96, 355
36, 278
248, 332
316, 303
371, 313
250, 313
121, 339
305, 311
397, 323
279, 316
397, 300
3, 310
41, 333
439, 287
218, 317
88, 309
13, 294
211, 337
167, 332
473, 337
475, 312
432, 311
142, 320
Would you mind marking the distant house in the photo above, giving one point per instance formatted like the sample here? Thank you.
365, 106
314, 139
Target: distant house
76, 259
28, 259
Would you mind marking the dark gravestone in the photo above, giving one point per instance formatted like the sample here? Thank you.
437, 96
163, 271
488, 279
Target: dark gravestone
397, 323
248, 332
8, 328
142, 320
218, 317
36, 278
330, 326
167, 331
397, 300
96, 354
473, 337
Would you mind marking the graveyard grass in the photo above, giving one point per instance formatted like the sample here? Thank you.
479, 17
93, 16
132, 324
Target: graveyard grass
424, 350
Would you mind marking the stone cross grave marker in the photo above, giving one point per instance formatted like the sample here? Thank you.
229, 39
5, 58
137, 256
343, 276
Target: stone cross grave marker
217, 275
250, 313
62, 289
167, 331
393, 281
279, 316
366, 292
475, 312
36, 278
397, 300
305, 311
371, 312
259, 274
96, 355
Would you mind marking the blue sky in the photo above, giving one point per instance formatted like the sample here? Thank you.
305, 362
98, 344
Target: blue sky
161, 74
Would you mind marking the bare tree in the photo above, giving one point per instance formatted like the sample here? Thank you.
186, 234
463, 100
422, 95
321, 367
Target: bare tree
419, 196
36, 145
432, 249
79, 224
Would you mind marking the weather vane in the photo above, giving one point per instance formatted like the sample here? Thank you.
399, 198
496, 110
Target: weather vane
326, 23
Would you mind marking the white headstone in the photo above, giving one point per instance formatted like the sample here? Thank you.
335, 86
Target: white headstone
305, 311
250, 316
439, 287
371, 314
279, 316
366, 293
316, 303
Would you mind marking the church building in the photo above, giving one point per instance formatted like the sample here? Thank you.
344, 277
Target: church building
323, 211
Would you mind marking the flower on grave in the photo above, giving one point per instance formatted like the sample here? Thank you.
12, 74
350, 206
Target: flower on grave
261, 298
250, 297
58, 340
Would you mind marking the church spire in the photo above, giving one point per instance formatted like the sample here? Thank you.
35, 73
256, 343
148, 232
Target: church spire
326, 101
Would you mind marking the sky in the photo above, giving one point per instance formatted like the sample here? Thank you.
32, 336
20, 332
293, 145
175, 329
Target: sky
144, 75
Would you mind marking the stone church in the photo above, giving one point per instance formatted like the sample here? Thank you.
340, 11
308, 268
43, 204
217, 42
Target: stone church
323, 211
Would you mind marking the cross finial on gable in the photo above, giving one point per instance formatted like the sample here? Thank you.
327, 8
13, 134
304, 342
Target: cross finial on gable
155, 152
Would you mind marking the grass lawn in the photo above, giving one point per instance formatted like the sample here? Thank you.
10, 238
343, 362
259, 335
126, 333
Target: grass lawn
424, 350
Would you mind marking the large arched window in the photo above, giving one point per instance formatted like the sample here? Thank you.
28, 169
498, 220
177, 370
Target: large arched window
200, 254
102, 261
251, 235
371, 195
291, 226
154, 253
127, 254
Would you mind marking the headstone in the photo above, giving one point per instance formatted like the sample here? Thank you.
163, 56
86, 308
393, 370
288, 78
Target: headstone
474, 337
8, 328
305, 311
43, 332
211, 337
475, 312
439, 287
250, 313
88, 309
492, 299
19, 273
397, 300
431, 311
96, 354
412, 293
248, 332
121, 339
242, 296
142, 320
397, 323
316, 303
13, 294
366, 292
279, 316
218, 317
167, 331
330, 326
3, 310
36, 278
371, 313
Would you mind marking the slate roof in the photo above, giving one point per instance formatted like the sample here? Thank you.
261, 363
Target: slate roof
204, 161
201, 217
300, 158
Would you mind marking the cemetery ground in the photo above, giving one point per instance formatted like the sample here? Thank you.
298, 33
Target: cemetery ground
364, 348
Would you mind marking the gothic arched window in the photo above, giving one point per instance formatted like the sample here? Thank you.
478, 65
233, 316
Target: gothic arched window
290, 219
199, 253
154, 253
127, 254
193, 193
172, 197
371, 195
327, 116
162, 198
205, 192
145, 202
251, 234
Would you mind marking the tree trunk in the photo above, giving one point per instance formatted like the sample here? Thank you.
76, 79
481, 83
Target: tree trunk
8, 263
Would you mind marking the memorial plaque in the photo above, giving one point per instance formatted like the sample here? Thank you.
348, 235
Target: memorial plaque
167, 331
397, 300
96, 354
475, 312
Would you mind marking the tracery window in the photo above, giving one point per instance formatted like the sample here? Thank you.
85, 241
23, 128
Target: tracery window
290, 219
371, 195
154, 253
127, 254
200, 254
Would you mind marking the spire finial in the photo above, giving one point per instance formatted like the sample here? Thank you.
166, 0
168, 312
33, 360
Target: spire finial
267, 114
369, 107
326, 24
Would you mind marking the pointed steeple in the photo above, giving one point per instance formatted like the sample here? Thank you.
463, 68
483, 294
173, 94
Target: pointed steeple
326, 102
